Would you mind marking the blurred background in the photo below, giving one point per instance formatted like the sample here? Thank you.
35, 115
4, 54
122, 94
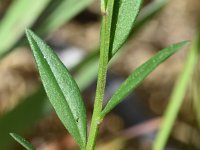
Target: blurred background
71, 28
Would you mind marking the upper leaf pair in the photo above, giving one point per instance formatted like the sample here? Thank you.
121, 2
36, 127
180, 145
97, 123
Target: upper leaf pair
63, 92
59, 84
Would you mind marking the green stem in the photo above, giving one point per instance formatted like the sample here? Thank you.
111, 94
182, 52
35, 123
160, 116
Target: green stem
96, 120
101, 81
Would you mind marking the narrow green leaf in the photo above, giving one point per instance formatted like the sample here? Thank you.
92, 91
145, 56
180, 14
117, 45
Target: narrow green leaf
65, 11
177, 97
61, 89
139, 75
22, 141
36, 107
123, 20
21, 14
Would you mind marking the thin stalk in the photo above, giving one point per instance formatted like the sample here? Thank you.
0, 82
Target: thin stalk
97, 105
101, 81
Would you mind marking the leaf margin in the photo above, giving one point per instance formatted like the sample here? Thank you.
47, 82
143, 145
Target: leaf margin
44, 55
22, 141
117, 97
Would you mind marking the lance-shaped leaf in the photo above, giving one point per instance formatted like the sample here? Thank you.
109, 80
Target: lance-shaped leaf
61, 89
125, 13
22, 141
65, 11
139, 75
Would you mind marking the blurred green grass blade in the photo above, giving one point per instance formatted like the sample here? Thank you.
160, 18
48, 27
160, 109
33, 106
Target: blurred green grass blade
21, 14
61, 89
139, 75
23, 117
148, 12
65, 11
177, 98
86, 72
195, 95
195, 86
125, 13
22, 141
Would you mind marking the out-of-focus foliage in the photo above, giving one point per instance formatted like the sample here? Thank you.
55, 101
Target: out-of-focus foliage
57, 17
23, 14
177, 96
23, 117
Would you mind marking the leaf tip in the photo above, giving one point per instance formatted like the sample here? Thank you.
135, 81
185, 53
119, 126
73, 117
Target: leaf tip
32, 38
28, 32
183, 43
11, 134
